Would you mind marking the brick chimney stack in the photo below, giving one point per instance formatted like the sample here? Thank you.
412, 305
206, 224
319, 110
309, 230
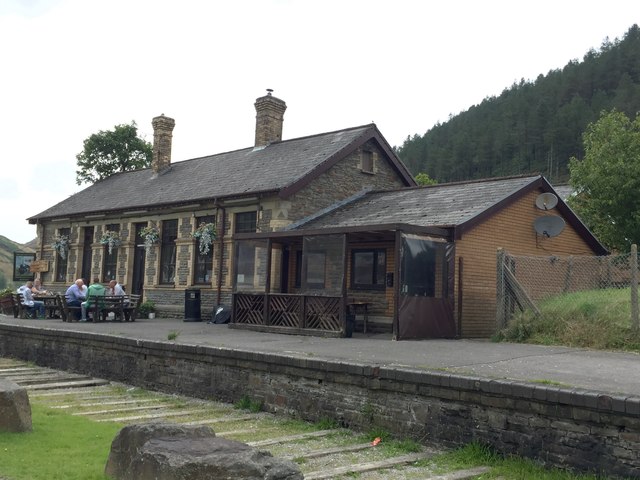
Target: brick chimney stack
269, 118
162, 136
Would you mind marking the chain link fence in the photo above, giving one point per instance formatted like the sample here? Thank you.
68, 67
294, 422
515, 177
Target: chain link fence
527, 283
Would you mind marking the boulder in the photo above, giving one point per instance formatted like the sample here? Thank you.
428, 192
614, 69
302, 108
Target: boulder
160, 451
15, 409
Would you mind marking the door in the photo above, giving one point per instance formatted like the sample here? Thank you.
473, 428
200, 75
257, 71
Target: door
139, 256
425, 302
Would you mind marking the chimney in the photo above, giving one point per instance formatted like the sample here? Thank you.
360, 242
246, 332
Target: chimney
269, 117
162, 135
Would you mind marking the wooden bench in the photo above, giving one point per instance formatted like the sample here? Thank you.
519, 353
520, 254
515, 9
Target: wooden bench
20, 310
67, 312
131, 309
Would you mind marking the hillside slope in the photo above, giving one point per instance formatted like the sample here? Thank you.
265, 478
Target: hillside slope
534, 126
7, 248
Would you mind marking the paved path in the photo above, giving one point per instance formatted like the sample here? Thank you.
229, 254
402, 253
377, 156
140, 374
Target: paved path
611, 372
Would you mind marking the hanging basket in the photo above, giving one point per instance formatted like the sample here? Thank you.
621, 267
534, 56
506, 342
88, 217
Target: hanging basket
205, 234
151, 236
61, 245
111, 238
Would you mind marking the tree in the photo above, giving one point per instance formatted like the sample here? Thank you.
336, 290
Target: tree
112, 151
424, 179
607, 181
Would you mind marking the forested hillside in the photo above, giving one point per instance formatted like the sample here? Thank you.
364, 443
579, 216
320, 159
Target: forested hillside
7, 247
533, 126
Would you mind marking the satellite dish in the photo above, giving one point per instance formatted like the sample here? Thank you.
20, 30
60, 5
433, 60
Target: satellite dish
549, 225
546, 201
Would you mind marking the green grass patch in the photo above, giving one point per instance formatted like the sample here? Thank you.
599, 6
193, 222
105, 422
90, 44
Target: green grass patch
476, 454
598, 319
60, 447
245, 403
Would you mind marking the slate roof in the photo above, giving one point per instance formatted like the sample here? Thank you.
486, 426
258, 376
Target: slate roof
446, 205
457, 206
274, 168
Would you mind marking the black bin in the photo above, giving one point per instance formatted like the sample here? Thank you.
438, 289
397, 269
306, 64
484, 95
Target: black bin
192, 305
351, 321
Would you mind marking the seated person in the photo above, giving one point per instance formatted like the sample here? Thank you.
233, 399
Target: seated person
116, 289
28, 301
75, 297
95, 290
38, 289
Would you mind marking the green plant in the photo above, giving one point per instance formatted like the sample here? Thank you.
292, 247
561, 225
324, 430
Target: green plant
245, 403
205, 234
146, 308
173, 334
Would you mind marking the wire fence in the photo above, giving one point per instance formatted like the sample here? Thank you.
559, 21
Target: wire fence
524, 283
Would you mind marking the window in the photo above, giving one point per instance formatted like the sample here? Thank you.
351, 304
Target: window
245, 258
203, 267
246, 222
368, 269
110, 259
61, 263
168, 251
367, 161
316, 269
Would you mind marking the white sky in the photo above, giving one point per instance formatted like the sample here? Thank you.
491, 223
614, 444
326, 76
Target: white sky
70, 68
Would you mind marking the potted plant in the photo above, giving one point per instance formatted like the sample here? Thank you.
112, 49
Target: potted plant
147, 309
205, 234
151, 236
6, 303
61, 245
111, 238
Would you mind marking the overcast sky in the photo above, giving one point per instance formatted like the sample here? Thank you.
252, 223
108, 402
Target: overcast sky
71, 68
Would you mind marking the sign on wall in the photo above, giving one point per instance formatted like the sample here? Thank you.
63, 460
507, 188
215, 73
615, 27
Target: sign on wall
39, 266
22, 266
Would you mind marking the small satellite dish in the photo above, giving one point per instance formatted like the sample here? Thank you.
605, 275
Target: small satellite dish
546, 201
549, 225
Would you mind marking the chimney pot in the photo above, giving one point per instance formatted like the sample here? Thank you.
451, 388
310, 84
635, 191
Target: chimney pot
269, 118
162, 137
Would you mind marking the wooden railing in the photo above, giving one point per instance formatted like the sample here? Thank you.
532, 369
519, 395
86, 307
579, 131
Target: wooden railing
288, 311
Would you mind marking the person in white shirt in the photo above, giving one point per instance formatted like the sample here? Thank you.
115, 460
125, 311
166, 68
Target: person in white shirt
28, 301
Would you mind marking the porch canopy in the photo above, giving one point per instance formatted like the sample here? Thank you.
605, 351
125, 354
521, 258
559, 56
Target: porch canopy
295, 281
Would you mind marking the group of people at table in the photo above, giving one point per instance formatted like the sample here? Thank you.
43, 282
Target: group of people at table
77, 295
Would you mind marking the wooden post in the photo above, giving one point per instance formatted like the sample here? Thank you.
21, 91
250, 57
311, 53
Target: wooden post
500, 290
634, 288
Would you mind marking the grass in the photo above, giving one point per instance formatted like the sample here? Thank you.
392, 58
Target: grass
476, 454
245, 403
598, 319
60, 447
173, 334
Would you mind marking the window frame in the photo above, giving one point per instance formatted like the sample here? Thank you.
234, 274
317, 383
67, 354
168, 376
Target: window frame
201, 262
168, 251
374, 274
62, 263
110, 260
246, 222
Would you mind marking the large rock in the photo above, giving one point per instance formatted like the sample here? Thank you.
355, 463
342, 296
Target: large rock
15, 409
179, 452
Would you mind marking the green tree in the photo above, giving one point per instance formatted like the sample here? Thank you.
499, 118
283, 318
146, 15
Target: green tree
112, 151
424, 179
607, 181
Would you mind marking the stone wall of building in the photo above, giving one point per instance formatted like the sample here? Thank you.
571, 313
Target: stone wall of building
583, 430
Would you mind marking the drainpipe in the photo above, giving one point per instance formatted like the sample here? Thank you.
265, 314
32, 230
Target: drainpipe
221, 249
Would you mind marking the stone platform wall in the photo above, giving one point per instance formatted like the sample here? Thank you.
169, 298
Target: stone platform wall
564, 427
